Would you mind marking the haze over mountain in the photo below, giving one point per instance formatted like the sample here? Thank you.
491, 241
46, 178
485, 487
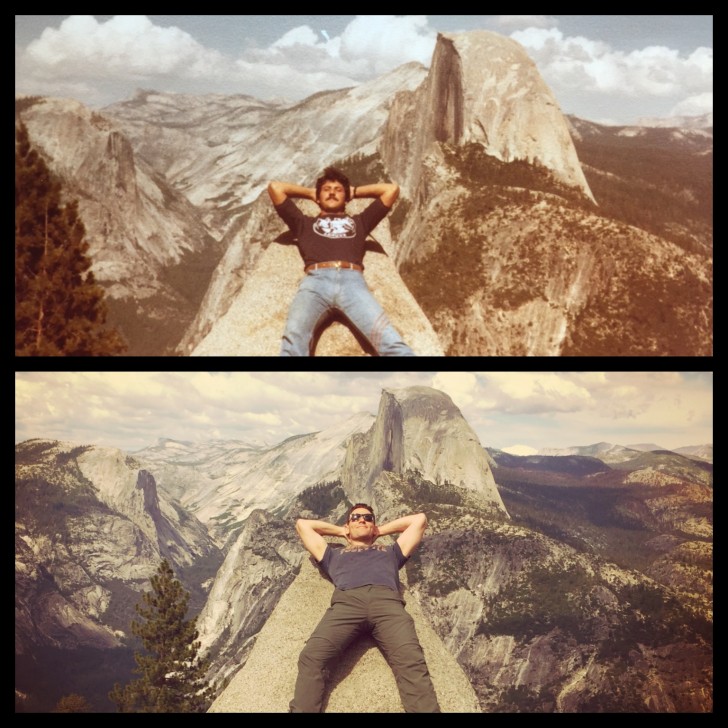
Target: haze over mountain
496, 182
558, 584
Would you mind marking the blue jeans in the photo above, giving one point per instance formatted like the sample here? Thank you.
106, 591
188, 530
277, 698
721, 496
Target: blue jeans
329, 289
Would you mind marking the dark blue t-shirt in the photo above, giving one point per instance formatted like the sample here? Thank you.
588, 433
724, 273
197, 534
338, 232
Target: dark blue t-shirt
355, 566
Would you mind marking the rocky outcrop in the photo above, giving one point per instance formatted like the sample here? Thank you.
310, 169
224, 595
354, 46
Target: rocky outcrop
258, 567
139, 227
481, 87
419, 429
91, 530
135, 221
223, 486
221, 151
254, 322
361, 677
416, 429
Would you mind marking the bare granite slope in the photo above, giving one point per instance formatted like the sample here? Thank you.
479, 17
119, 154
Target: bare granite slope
265, 683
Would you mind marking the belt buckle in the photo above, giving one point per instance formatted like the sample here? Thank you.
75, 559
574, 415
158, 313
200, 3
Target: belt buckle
337, 265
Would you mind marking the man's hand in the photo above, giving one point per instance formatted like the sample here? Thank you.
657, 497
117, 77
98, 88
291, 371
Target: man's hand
280, 191
387, 192
412, 529
312, 534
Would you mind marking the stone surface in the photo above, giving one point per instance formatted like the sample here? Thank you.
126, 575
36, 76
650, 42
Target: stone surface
482, 87
265, 683
254, 323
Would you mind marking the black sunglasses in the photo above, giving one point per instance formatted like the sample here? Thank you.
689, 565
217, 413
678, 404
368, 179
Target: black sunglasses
368, 517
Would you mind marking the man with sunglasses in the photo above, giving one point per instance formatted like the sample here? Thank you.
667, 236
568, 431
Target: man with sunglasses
367, 598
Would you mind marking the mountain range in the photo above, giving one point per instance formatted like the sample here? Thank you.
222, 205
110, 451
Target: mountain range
611, 453
519, 230
562, 583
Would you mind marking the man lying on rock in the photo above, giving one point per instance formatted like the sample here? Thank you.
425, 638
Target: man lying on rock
332, 246
367, 598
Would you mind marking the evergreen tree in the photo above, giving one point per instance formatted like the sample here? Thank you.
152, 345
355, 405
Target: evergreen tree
59, 307
172, 675
72, 703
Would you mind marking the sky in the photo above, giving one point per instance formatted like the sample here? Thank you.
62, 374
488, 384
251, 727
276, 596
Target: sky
132, 410
612, 69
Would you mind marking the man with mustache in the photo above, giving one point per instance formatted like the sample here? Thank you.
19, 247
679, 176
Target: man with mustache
332, 246
367, 598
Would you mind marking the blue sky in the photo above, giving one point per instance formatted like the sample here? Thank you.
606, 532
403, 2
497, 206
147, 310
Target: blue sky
606, 68
131, 410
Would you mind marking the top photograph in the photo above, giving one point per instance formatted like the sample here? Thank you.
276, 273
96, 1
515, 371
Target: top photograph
363, 186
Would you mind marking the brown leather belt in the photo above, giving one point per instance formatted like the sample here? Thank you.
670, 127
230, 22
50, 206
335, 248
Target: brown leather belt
333, 264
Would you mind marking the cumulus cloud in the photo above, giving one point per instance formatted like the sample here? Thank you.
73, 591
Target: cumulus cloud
99, 62
86, 58
694, 105
461, 386
593, 66
369, 46
642, 399
384, 42
131, 410
532, 392
125, 44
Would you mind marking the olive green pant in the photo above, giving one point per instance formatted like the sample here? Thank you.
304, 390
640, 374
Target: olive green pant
367, 609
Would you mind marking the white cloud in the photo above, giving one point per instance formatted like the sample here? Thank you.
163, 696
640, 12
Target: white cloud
593, 66
302, 35
526, 21
101, 62
85, 58
694, 105
132, 410
460, 386
125, 44
536, 392
387, 41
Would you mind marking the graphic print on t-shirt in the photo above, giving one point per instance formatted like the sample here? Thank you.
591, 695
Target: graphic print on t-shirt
335, 227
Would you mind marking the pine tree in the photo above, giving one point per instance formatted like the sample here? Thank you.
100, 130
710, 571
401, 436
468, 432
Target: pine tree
59, 307
72, 703
172, 675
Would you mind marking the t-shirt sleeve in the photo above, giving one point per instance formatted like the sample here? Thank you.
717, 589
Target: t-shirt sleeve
401, 558
290, 214
326, 559
373, 215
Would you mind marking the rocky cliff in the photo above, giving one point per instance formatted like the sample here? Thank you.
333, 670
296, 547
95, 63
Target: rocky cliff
149, 248
221, 151
258, 568
419, 429
482, 88
251, 320
222, 485
90, 531
362, 669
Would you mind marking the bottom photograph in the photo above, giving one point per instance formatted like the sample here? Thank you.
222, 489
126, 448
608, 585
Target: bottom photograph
369, 542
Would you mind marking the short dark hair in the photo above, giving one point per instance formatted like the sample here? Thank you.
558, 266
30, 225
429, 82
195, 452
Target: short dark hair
331, 174
360, 505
